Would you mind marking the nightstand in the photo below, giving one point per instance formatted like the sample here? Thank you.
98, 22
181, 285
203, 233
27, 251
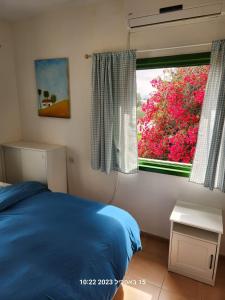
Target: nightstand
195, 241
29, 161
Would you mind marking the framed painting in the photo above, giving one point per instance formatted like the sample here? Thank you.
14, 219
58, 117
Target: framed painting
52, 82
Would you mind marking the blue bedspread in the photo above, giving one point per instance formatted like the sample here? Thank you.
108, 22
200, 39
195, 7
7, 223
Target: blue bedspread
55, 246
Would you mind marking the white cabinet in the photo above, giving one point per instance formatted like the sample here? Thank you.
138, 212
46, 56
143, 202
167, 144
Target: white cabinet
45, 163
195, 241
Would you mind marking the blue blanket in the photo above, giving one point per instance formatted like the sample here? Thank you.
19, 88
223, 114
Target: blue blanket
54, 246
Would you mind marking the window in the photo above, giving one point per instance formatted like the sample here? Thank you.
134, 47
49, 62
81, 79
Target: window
170, 93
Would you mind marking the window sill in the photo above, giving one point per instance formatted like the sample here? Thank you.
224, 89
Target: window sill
164, 167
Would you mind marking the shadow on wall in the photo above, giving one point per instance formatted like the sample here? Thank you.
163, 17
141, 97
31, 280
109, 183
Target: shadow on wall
74, 179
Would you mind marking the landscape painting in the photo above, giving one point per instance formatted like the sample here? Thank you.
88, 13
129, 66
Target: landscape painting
52, 81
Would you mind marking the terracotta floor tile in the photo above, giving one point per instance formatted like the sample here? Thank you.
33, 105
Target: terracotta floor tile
216, 292
165, 295
144, 266
181, 285
127, 292
155, 246
211, 293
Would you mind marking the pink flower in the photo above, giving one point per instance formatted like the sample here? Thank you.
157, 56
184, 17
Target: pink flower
169, 127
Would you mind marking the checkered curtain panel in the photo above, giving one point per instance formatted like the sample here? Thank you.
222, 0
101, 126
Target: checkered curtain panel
209, 162
114, 128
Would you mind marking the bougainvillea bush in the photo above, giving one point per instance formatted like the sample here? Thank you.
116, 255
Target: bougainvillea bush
169, 128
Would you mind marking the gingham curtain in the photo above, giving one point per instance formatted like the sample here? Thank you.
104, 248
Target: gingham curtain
114, 129
209, 162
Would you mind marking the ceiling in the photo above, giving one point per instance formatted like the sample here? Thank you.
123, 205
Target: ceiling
13, 10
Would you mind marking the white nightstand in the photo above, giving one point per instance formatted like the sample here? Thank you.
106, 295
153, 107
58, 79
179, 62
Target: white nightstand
195, 241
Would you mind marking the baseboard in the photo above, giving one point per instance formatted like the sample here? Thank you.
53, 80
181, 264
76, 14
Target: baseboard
157, 237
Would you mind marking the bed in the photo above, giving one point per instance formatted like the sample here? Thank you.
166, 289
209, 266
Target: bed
54, 246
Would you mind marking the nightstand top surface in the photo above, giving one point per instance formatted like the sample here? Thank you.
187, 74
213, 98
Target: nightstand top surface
199, 216
32, 146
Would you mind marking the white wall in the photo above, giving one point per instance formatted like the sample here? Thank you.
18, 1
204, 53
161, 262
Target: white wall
73, 31
9, 108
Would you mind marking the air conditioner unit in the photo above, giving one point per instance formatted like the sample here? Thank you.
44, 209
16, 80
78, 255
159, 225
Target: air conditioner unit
146, 12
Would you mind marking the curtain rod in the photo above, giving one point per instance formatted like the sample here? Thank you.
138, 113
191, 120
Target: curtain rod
162, 49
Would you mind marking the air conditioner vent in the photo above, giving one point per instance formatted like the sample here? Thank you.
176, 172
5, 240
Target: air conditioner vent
169, 9
145, 13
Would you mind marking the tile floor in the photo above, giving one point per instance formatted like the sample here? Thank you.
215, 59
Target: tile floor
151, 265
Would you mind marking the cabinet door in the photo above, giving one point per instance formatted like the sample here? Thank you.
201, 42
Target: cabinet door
25, 165
34, 167
192, 256
13, 166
